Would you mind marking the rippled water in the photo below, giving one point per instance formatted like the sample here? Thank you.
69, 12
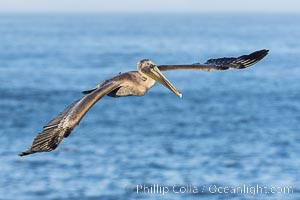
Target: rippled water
231, 128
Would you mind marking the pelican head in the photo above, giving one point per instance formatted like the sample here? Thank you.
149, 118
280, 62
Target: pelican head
149, 69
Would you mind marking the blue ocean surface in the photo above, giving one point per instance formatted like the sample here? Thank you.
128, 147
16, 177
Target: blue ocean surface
232, 130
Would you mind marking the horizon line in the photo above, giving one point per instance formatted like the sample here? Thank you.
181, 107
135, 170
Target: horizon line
147, 12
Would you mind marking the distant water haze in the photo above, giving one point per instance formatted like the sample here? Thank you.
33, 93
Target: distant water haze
152, 6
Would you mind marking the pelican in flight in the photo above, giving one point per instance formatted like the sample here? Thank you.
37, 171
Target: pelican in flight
133, 83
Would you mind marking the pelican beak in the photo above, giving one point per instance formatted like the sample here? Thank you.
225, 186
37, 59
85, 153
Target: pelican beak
156, 74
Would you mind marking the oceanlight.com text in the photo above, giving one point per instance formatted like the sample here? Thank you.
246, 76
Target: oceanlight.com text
252, 190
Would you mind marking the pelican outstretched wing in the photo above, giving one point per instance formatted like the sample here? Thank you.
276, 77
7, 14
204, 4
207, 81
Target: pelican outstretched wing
221, 63
61, 126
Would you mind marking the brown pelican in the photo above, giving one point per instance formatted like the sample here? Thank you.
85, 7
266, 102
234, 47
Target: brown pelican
134, 83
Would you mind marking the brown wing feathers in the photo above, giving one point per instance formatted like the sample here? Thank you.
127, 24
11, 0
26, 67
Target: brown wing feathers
52, 134
62, 126
221, 63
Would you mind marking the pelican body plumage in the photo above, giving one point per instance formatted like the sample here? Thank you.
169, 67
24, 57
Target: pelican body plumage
133, 83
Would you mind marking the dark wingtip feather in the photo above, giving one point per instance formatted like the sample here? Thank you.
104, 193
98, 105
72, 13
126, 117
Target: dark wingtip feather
263, 52
260, 54
46, 141
255, 57
27, 152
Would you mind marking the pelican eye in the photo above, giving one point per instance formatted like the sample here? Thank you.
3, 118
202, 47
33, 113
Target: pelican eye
151, 65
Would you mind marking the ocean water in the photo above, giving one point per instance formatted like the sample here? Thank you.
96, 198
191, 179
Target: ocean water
234, 129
